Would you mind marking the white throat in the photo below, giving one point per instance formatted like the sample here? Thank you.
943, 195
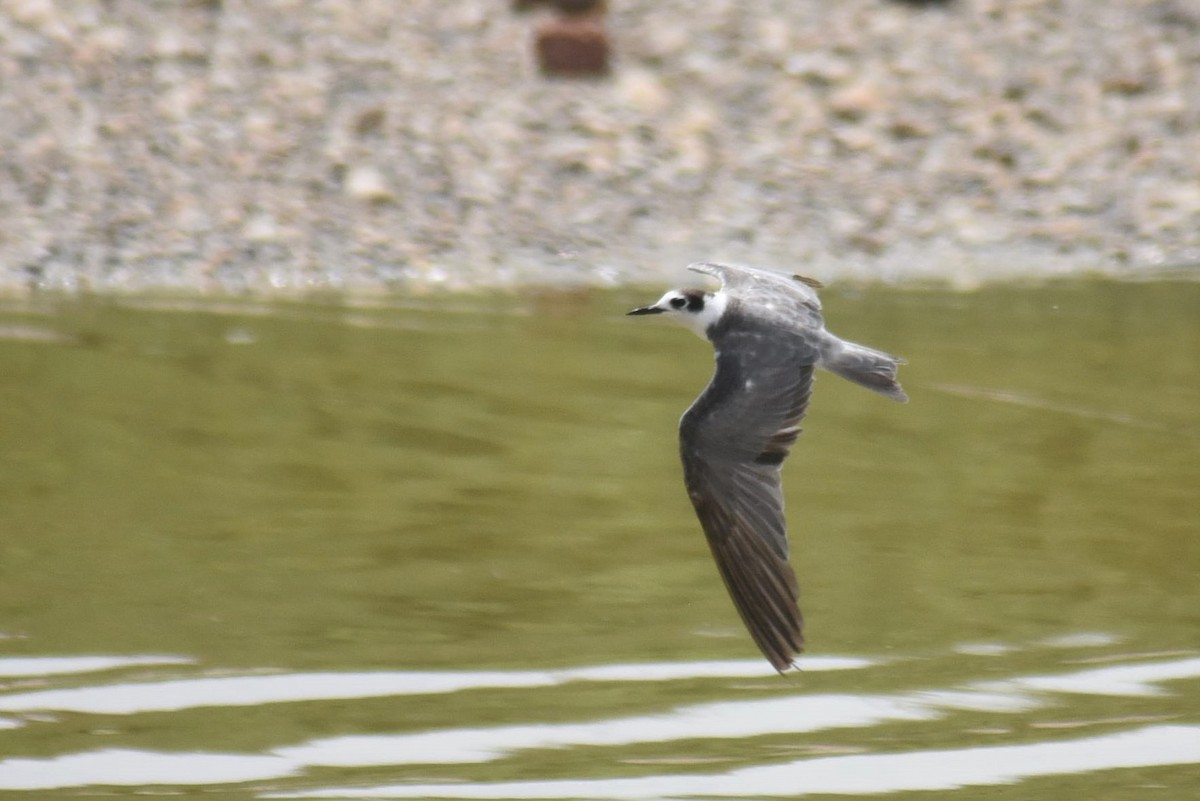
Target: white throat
699, 322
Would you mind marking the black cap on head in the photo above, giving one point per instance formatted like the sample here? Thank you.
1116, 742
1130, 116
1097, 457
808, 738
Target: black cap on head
694, 299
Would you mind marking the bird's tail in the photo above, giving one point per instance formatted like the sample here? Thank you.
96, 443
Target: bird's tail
865, 366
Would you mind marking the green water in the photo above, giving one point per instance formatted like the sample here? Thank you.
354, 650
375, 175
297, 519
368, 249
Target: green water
491, 484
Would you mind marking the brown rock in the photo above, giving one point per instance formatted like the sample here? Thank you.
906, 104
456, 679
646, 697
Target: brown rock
572, 7
370, 120
568, 7
573, 47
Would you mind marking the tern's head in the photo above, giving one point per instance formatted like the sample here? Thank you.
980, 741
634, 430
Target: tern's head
694, 308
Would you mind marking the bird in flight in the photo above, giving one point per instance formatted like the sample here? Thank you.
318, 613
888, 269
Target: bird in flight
769, 336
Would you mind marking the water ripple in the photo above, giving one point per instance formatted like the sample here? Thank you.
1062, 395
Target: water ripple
796, 712
843, 775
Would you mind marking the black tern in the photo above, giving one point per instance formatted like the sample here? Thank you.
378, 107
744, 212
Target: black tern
769, 336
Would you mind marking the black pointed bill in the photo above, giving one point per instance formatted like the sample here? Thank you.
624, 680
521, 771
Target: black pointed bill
645, 310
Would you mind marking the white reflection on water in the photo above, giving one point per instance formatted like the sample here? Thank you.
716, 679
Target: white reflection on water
794, 712
1081, 639
180, 694
130, 768
857, 774
1115, 680
719, 720
788, 715
33, 667
13, 666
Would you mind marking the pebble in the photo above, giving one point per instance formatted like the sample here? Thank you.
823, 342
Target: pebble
357, 145
261, 228
856, 100
368, 184
574, 46
643, 91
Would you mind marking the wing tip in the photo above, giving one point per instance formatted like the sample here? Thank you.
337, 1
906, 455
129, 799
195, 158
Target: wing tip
784, 660
766, 596
707, 268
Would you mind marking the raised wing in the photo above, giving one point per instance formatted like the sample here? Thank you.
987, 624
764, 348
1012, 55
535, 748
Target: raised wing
746, 282
733, 441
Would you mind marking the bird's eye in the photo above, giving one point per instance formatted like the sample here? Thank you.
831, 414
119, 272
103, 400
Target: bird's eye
677, 303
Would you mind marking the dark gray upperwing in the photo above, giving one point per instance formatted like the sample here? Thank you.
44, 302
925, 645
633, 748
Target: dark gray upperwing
733, 441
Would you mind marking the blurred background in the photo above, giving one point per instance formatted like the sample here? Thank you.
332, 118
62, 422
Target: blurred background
287, 145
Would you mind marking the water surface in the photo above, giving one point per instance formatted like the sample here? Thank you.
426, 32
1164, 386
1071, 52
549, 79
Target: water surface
439, 548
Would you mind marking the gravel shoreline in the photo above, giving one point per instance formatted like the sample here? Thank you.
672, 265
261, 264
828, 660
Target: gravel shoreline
283, 147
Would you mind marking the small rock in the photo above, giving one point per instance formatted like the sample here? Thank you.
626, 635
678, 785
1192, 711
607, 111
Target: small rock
856, 139
367, 183
573, 47
568, 7
642, 91
910, 128
179, 102
1127, 83
856, 100
369, 120
818, 68
261, 228
581, 6
699, 118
